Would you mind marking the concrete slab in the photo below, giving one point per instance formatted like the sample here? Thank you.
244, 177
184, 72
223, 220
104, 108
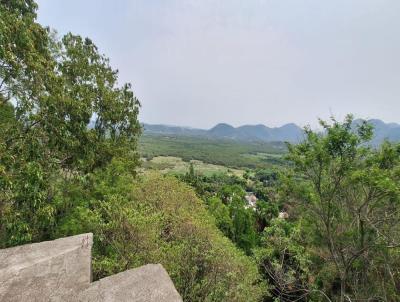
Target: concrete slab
46, 271
148, 283
60, 270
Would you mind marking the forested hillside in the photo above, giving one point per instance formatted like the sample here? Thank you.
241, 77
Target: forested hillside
314, 221
247, 133
222, 152
261, 133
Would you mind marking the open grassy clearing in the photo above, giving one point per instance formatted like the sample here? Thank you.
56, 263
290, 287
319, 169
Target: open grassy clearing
175, 165
266, 158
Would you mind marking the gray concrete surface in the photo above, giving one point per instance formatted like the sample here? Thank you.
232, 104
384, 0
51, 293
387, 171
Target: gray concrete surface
60, 270
148, 283
46, 271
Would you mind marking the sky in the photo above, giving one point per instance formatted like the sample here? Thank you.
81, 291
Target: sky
201, 62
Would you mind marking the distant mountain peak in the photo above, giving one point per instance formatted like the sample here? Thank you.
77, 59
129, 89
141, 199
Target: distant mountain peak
289, 132
222, 130
222, 125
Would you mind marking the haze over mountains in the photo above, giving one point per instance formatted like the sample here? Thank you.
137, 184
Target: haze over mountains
288, 132
252, 133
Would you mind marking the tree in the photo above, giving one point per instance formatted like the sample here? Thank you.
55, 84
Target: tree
25, 58
230, 192
350, 198
265, 212
222, 216
284, 261
244, 225
69, 118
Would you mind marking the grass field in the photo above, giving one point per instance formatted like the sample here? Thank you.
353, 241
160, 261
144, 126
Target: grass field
226, 153
175, 165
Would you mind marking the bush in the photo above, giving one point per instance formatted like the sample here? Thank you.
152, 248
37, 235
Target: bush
158, 219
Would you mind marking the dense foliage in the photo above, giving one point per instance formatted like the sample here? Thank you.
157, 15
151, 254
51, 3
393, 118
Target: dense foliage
349, 200
50, 91
228, 153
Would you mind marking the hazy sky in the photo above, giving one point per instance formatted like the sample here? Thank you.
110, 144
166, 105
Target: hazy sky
200, 62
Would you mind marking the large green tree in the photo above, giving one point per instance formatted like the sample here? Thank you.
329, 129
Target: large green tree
66, 116
349, 197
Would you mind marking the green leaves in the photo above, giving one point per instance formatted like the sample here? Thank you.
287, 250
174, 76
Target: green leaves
62, 116
284, 260
160, 220
348, 197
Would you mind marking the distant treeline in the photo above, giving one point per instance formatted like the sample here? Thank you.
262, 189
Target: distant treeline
221, 152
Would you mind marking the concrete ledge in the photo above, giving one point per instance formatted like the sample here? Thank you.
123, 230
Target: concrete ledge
60, 270
149, 283
46, 271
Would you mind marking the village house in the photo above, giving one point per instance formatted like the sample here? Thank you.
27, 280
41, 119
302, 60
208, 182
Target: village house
251, 200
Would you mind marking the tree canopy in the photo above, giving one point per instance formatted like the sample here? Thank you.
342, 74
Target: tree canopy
63, 114
349, 197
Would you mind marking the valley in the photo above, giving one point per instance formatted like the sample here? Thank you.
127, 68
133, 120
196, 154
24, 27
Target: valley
222, 152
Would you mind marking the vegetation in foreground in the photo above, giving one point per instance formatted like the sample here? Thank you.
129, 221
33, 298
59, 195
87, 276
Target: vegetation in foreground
157, 219
336, 240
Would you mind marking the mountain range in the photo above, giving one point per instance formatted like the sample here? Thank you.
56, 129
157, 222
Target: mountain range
261, 133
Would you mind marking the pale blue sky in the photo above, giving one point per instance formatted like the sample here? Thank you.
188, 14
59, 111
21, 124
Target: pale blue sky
197, 63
